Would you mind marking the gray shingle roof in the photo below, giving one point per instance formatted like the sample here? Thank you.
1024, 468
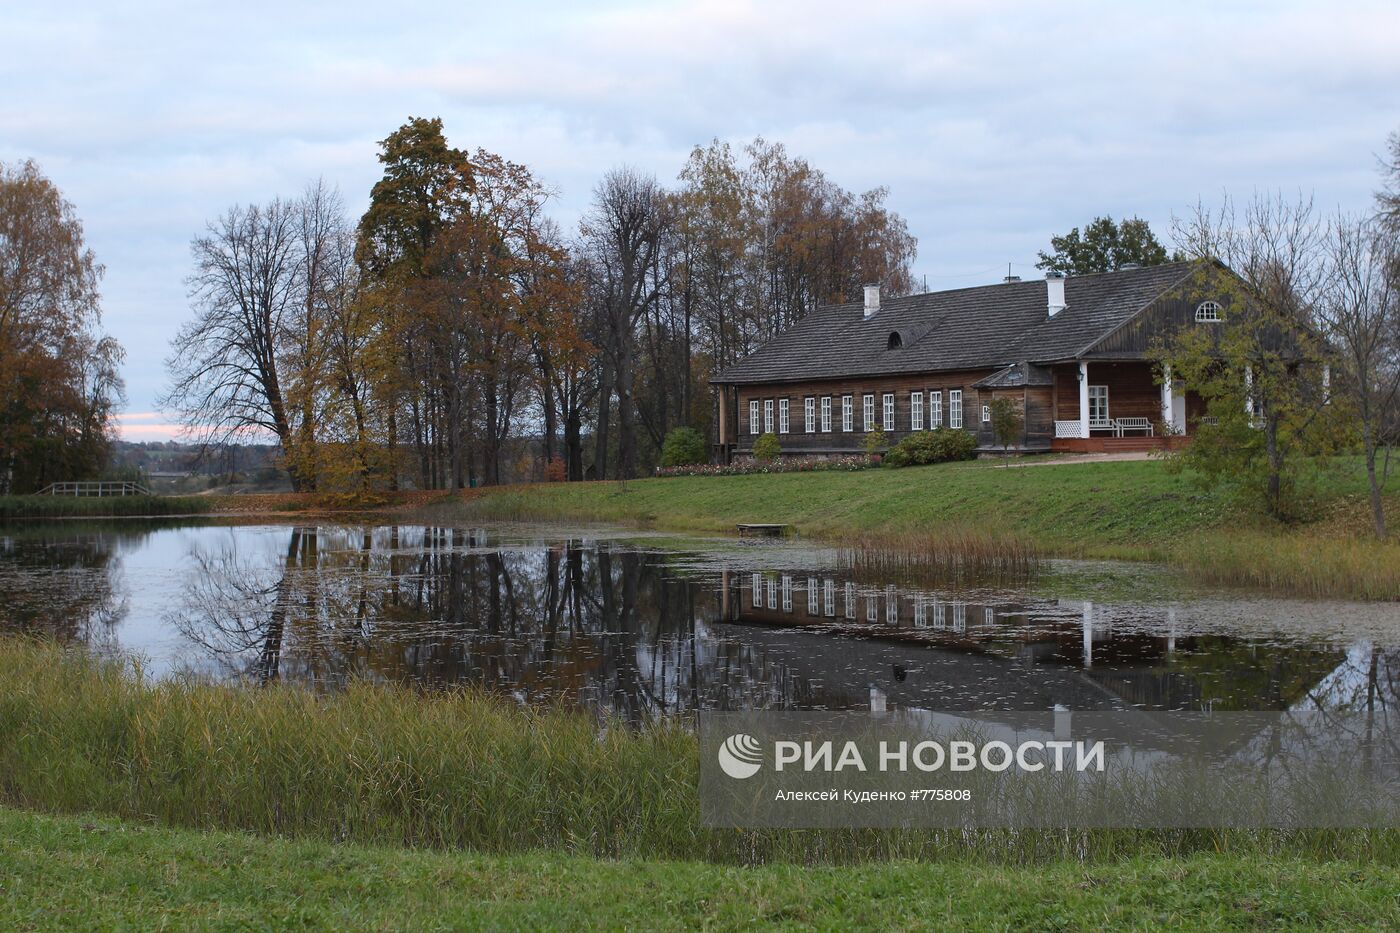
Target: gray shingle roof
988, 326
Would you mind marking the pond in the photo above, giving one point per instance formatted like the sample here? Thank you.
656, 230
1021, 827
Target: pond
646, 626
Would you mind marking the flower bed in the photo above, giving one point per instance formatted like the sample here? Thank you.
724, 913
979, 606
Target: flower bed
790, 465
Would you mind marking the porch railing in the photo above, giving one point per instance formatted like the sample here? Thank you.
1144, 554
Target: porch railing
1068, 429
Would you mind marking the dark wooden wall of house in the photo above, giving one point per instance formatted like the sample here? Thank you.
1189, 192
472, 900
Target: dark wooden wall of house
1132, 390
798, 441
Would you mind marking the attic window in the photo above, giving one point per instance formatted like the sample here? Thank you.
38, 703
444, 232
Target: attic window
895, 341
1208, 312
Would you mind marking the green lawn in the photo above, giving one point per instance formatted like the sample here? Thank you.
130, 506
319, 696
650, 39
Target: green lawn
1107, 509
1071, 505
99, 873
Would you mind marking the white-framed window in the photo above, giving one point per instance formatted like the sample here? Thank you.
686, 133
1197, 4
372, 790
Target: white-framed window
809, 414
757, 590
891, 606
872, 608
826, 414
940, 614
829, 596
920, 613
768, 416
955, 408
850, 600
772, 593
1098, 404
868, 424
753, 417
887, 423
787, 593
1208, 312
935, 408
989, 617
916, 411
813, 597
960, 617
847, 416
986, 414
782, 416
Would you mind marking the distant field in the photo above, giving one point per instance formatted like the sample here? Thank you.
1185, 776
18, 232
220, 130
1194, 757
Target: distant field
99, 873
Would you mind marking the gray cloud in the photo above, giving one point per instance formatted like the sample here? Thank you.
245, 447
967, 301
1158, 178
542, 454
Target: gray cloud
993, 125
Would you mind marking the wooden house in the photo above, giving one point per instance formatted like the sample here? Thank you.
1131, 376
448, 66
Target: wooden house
1071, 353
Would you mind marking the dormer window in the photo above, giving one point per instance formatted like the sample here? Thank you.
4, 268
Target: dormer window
1208, 312
895, 341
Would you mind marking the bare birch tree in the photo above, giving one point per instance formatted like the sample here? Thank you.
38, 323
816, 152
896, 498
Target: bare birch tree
1361, 311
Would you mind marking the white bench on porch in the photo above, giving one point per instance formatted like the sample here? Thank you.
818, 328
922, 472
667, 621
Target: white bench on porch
1133, 424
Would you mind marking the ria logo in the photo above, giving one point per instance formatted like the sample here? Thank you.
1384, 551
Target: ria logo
740, 756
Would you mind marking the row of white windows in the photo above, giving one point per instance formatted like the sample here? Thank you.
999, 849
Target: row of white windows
821, 600
818, 411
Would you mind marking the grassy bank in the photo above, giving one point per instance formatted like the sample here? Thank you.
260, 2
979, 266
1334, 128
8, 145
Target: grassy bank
1136, 510
25, 507
390, 766
98, 873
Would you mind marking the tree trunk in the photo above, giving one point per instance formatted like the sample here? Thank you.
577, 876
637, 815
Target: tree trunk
1373, 480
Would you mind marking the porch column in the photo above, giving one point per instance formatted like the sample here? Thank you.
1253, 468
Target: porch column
1167, 414
724, 424
1083, 399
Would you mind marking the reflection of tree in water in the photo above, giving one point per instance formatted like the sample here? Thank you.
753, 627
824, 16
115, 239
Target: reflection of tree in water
597, 625
63, 582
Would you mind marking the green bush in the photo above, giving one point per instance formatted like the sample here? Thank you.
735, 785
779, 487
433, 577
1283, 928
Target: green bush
937, 446
683, 447
874, 442
766, 448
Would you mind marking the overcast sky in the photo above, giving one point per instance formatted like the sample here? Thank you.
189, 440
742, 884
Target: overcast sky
993, 125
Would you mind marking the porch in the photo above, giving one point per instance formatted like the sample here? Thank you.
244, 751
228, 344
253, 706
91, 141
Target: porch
1118, 405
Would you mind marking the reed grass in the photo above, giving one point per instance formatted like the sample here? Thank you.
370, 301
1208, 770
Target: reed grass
22, 507
947, 555
1298, 564
458, 769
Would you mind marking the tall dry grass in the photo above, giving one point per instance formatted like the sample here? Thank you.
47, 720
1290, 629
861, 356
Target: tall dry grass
948, 555
1295, 565
458, 769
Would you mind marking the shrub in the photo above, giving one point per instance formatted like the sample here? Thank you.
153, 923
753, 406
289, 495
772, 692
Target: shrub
937, 446
791, 465
766, 448
875, 442
556, 470
682, 447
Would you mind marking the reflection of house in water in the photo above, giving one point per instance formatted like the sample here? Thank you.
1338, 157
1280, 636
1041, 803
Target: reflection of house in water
639, 633
930, 650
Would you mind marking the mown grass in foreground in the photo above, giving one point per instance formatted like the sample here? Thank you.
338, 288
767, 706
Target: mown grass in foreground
98, 873
14, 507
462, 769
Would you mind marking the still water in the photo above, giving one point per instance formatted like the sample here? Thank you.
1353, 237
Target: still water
644, 626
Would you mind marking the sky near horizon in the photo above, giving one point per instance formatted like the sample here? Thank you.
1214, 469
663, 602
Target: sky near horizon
994, 125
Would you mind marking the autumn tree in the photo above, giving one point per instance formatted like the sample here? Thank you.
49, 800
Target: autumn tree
59, 382
1105, 245
424, 188
1261, 369
473, 297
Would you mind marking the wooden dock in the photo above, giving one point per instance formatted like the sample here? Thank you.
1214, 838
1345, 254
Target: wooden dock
760, 530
